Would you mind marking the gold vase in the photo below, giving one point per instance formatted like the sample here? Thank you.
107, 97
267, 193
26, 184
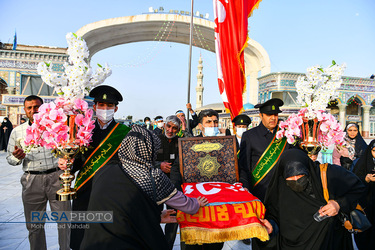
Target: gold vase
67, 192
310, 132
68, 152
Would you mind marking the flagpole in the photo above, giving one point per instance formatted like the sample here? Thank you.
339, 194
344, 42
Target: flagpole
189, 66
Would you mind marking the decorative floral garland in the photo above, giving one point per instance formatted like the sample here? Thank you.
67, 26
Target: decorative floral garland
315, 91
330, 129
78, 78
50, 128
318, 87
67, 122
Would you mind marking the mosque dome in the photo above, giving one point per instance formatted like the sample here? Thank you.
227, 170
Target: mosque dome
247, 106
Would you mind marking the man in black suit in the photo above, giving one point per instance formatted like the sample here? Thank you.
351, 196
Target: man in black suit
241, 123
254, 144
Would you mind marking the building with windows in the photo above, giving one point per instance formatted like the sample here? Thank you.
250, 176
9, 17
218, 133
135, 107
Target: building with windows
19, 77
355, 103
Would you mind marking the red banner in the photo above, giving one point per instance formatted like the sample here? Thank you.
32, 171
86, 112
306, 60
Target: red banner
230, 42
232, 214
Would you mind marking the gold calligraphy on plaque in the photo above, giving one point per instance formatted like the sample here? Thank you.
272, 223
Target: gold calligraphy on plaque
208, 166
206, 147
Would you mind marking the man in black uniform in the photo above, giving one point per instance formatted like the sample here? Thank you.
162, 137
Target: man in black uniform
166, 157
241, 123
107, 134
253, 147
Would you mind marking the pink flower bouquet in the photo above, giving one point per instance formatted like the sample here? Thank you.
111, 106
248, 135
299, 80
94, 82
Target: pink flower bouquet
62, 123
329, 132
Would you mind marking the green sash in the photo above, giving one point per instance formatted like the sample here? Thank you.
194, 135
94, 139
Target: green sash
268, 160
102, 154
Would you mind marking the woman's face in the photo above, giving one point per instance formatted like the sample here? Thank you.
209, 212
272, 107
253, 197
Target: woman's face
352, 132
373, 152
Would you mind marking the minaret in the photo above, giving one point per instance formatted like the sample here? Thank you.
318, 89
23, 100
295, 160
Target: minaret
199, 89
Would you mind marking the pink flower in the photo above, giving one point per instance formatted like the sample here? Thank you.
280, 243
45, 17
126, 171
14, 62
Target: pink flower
280, 134
325, 126
283, 125
290, 139
62, 138
302, 112
57, 115
80, 104
60, 128
47, 107
79, 120
49, 129
60, 102
89, 113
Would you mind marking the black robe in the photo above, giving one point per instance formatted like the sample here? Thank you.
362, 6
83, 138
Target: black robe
83, 194
293, 211
366, 240
5, 134
136, 218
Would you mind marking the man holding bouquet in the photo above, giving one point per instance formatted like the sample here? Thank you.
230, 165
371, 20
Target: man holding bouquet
106, 139
40, 181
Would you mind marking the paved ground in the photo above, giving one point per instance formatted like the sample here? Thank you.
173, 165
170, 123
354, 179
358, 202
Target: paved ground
13, 233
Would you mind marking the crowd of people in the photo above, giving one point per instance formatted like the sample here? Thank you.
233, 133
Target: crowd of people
142, 174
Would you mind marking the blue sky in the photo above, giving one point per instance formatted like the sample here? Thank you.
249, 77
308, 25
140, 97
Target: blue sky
153, 76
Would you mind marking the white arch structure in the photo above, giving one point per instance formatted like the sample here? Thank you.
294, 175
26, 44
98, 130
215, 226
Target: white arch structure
121, 30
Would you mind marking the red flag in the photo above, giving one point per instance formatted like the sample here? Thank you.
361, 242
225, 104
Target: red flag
230, 43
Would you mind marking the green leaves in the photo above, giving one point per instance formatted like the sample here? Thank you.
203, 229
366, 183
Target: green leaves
48, 64
100, 65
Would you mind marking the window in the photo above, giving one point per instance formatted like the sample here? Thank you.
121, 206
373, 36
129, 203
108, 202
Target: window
33, 85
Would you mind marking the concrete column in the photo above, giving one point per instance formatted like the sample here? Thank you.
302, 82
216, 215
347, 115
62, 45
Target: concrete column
342, 118
253, 87
366, 121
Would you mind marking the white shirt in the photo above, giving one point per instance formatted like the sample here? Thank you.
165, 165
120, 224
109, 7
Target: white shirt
38, 159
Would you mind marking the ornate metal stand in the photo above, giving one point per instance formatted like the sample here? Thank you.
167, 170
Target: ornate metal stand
67, 192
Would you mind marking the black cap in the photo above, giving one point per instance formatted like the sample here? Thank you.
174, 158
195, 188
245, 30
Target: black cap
270, 107
105, 93
241, 120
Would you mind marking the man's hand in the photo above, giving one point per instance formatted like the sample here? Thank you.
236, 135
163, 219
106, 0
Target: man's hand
63, 163
165, 167
18, 153
188, 106
166, 216
267, 225
370, 177
202, 201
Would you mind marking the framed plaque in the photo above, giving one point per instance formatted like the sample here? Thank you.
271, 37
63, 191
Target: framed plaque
208, 159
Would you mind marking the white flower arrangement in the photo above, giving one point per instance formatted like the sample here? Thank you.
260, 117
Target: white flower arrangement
318, 87
78, 78
315, 90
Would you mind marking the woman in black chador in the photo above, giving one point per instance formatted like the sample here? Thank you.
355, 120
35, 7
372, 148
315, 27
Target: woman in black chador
6, 128
296, 193
364, 169
354, 148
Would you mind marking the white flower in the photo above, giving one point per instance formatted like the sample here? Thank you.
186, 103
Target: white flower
318, 87
78, 78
